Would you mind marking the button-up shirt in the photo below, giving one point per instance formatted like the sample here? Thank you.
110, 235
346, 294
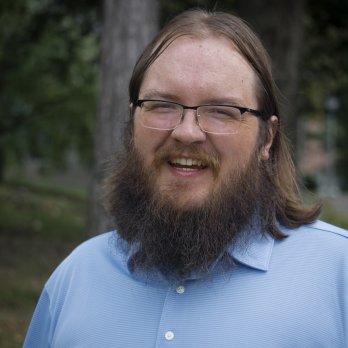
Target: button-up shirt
281, 294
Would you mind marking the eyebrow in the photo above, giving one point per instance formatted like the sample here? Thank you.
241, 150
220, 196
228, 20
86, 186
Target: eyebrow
155, 94
225, 101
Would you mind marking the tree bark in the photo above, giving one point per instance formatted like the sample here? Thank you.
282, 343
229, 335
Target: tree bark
128, 26
279, 23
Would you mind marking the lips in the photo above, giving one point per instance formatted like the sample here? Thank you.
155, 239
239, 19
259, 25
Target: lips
187, 158
189, 163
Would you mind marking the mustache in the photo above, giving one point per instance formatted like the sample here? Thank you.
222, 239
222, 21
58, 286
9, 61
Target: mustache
210, 159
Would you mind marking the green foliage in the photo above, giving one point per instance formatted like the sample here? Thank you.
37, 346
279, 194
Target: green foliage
325, 50
39, 226
48, 70
334, 214
325, 69
47, 212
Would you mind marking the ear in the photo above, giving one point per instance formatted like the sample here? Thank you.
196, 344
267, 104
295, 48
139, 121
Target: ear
272, 124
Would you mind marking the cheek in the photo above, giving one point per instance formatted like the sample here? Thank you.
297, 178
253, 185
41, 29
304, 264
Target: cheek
138, 133
142, 143
238, 149
147, 141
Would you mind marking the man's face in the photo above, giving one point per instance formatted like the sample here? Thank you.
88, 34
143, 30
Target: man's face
187, 164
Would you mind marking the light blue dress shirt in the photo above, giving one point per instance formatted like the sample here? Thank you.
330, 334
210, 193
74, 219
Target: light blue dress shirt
282, 294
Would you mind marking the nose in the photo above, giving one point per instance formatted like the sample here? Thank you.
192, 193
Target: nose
188, 131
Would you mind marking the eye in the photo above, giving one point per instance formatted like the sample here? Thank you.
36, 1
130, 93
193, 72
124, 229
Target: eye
159, 106
227, 113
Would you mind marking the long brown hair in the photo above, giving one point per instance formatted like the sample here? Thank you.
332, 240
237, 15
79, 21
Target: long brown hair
289, 208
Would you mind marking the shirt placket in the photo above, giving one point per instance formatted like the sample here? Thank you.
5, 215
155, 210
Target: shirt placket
170, 330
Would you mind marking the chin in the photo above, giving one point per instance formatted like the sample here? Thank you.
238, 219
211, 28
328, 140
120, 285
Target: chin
186, 201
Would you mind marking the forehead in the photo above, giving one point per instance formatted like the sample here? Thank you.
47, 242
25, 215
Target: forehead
198, 67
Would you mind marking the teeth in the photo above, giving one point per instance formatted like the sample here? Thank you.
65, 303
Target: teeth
187, 162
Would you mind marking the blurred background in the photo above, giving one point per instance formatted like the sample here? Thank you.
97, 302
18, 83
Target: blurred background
64, 71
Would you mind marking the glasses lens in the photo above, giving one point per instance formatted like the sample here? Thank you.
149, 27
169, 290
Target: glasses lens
160, 114
219, 119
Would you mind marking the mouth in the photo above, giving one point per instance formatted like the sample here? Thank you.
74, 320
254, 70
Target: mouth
190, 160
187, 164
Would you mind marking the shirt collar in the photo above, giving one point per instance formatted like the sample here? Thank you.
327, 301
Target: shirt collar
256, 252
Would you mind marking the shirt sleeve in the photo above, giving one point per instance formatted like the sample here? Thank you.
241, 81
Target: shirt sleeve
38, 335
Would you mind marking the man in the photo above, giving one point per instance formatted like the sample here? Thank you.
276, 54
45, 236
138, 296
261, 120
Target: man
214, 247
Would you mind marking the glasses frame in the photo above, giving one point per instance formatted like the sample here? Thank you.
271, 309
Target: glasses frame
242, 109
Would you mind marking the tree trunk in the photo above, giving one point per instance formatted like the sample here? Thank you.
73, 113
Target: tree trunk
280, 26
128, 26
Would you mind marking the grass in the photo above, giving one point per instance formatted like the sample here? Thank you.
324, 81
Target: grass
39, 226
334, 216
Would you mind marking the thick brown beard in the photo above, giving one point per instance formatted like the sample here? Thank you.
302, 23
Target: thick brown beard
181, 242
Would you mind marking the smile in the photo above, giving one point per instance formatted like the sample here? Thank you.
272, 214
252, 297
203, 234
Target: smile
187, 163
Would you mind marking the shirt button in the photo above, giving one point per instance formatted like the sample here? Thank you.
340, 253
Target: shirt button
180, 289
169, 335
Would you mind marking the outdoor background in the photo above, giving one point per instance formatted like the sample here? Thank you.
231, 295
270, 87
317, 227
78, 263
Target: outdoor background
64, 70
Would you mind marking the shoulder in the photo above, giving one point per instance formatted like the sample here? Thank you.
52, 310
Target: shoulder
96, 245
323, 227
88, 259
319, 229
319, 240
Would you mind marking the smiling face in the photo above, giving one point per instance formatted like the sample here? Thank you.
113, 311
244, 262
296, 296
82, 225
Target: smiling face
186, 164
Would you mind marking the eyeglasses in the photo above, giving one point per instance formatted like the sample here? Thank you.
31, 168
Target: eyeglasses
215, 119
